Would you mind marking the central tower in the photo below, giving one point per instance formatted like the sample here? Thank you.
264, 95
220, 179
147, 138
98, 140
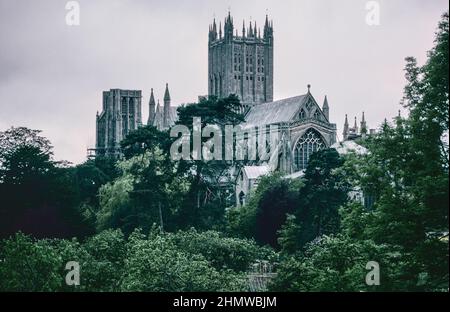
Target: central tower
241, 65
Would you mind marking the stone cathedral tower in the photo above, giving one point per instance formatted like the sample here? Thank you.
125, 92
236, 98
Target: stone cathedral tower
121, 114
241, 65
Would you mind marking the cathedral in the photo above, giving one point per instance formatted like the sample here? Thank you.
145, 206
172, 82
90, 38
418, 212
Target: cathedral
240, 64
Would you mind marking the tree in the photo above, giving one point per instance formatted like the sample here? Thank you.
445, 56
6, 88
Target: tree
324, 190
263, 216
222, 252
14, 138
204, 205
158, 264
270, 217
49, 207
338, 263
148, 191
27, 265
108, 261
143, 139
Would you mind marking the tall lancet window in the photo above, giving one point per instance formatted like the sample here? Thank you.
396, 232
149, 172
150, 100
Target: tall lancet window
317, 115
124, 117
309, 143
131, 113
302, 114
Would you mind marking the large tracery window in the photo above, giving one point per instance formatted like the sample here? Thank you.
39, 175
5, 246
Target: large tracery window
309, 143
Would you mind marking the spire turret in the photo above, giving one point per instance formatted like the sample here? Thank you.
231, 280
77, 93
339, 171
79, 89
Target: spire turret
152, 112
228, 28
345, 132
166, 93
363, 125
326, 108
166, 107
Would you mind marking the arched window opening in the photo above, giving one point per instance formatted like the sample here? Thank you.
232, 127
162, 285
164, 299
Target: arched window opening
241, 198
309, 143
131, 107
124, 106
216, 86
302, 114
316, 115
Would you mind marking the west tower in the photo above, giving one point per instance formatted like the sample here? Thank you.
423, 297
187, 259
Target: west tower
241, 65
121, 114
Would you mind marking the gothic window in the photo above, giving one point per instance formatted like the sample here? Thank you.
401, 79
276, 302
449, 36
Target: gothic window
309, 105
302, 114
309, 143
124, 105
369, 201
131, 111
124, 117
241, 198
131, 107
316, 115
215, 86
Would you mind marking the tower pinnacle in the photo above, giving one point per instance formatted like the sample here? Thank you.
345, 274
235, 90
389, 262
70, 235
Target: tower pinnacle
326, 108
345, 132
363, 125
166, 93
151, 106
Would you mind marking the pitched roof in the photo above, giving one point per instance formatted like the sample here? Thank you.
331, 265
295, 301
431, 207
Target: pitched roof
159, 118
273, 112
254, 172
348, 146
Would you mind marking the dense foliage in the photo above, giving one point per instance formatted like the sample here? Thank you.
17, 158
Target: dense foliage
406, 171
181, 261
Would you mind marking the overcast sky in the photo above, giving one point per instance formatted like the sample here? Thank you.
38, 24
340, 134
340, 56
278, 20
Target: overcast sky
52, 75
